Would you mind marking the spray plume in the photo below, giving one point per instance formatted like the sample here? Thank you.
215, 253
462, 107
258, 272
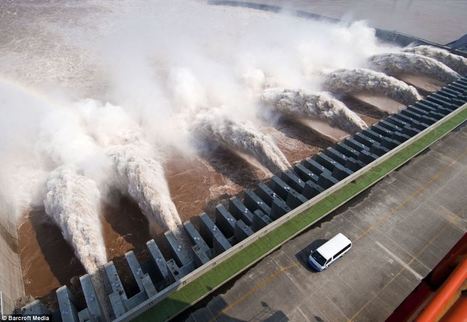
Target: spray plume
299, 103
146, 183
242, 137
456, 62
72, 201
402, 63
137, 163
349, 81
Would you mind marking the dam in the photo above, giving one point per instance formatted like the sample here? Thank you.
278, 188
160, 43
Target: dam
256, 209
135, 182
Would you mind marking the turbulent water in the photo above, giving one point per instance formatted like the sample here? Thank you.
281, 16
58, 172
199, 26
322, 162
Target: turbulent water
456, 62
136, 162
72, 201
140, 168
242, 137
402, 63
356, 80
300, 103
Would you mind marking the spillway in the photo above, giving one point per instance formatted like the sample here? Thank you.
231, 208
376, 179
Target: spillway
143, 176
136, 163
408, 63
72, 201
131, 64
352, 81
455, 62
214, 126
244, 216
300, 103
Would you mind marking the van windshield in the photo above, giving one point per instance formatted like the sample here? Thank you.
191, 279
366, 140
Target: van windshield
317, 257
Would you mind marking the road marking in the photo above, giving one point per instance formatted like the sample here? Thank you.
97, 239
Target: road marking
413, 195
401, 270
400, 261
454, 218
265, 282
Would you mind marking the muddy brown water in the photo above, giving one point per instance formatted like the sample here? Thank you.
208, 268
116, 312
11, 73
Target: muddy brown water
423, 84
384, 104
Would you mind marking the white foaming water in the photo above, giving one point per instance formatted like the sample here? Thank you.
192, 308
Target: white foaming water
350, 81
136, 162
146, 183
72, 201
22, 172
407, 63
456, 62
300, 103
242, 137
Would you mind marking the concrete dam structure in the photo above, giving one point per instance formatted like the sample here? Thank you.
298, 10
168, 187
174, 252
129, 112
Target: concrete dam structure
136, 164
245, 215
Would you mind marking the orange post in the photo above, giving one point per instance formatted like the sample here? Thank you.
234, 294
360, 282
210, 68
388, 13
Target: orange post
458, 312
446, 296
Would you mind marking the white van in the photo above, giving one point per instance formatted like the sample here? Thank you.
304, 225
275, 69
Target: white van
329, 252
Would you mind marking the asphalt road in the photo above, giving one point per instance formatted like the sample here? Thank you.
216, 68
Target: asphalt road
401, 228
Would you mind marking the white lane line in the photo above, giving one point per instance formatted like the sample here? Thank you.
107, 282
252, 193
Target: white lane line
400, 261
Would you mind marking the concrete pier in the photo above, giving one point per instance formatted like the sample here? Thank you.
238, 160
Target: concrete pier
312, 189
159, 261
291, 196
294, 181
304, 173
142, 279
268, 195
195, 237
218, 241
66, 305
279, 208
118, 295
254, 202
200, 256
180, 252
95, 311
240, 211
225, 221
242, 231
260, 220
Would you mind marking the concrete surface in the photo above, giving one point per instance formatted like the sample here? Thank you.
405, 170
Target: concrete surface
11, 278
421, 18
401, 229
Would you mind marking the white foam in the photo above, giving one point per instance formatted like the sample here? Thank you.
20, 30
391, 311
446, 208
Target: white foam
72, 201
407, 63
300, 103
243, 137
456, 62
351, 81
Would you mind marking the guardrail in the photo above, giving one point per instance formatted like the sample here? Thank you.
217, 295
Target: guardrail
279, 222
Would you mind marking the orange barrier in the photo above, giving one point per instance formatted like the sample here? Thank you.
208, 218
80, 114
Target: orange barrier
458, 312
447, 296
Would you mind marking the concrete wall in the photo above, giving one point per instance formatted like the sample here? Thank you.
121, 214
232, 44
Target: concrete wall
11, 277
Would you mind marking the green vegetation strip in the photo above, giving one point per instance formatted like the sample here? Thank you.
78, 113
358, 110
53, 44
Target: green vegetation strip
197, 289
